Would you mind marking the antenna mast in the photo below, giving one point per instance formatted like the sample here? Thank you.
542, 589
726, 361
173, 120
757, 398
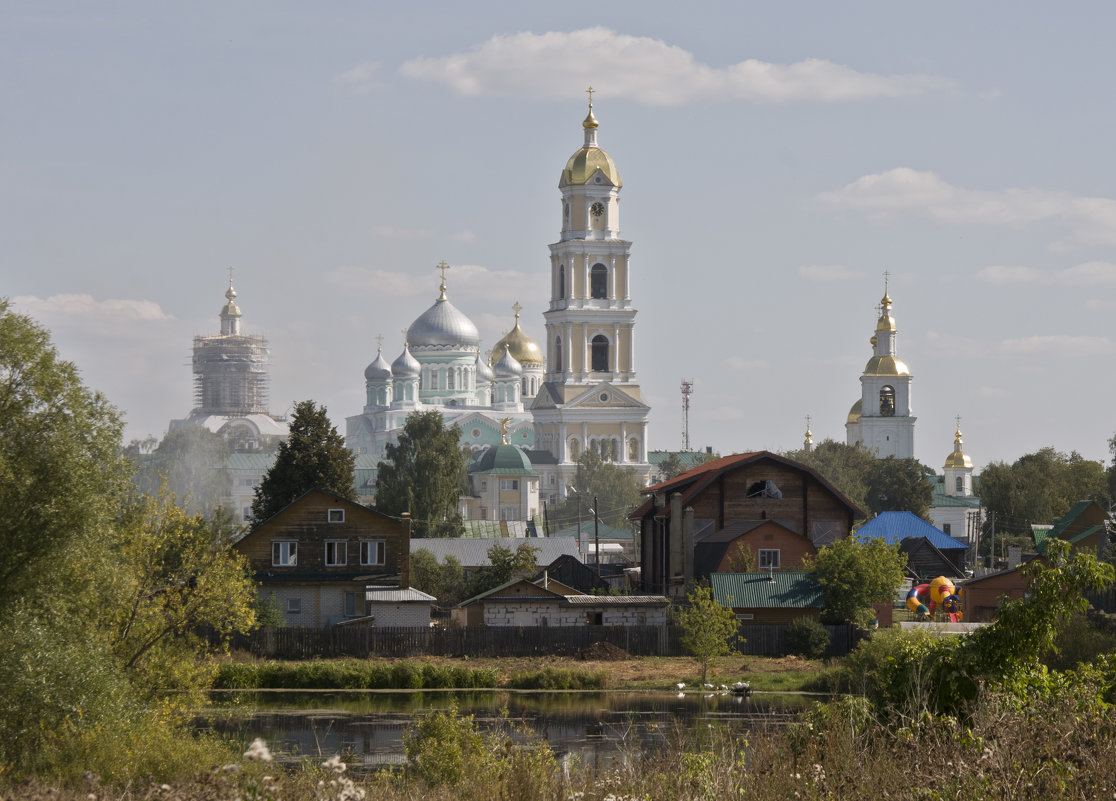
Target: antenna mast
687, 391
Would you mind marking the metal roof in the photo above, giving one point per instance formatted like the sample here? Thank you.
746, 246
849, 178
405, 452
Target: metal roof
894, 527
473, 551
780, 589
617, 600
397, 595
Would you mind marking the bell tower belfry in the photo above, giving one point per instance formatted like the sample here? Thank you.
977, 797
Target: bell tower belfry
590, 398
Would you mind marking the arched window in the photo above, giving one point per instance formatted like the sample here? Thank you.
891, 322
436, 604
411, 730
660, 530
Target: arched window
959, 485
598, 281
449, 378
887, 401
633, 450
561, 282
558, 355
574, 450
600, 354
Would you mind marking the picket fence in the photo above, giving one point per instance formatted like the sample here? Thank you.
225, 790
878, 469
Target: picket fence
459, 641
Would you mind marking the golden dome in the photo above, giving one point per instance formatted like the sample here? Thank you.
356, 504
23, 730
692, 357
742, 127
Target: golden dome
886, 323
590, 121
958, 458
854, 412
584, 164
522, 348
886, 365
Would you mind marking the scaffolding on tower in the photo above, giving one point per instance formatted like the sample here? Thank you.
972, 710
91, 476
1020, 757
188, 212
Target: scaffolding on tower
687, 391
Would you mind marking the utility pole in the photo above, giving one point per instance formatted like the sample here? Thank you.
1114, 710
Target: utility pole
597, 535
992, 549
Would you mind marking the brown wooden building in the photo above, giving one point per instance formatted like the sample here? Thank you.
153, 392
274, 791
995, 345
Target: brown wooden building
757, 511
315, 557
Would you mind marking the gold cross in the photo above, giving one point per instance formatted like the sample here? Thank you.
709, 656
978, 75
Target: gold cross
443, 267
590, 90
517, 309
230, 276
379, 342
807, 422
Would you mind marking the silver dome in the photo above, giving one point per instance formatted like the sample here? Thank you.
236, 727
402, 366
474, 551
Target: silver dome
507, 367
484, 372
406, 366
443, 325
379, 370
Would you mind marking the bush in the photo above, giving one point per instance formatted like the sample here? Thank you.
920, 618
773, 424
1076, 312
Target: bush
560, 679
807, 638
349, 674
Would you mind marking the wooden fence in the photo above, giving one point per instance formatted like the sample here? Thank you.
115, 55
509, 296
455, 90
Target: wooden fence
457, 641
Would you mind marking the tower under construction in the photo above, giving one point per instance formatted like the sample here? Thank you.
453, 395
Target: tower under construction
230, 369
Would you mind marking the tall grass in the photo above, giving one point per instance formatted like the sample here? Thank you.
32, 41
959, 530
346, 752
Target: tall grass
350, 674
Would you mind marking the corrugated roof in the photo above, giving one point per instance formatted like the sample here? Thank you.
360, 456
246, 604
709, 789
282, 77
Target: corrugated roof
938, 497
617, 600
587, 532
473, 551
780, 589
396, 595
894, 527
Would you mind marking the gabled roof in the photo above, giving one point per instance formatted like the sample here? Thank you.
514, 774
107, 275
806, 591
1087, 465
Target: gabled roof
397, 595
894, 527
607, 532
473, 551
780, 589
696, 479
340, 500
536, 592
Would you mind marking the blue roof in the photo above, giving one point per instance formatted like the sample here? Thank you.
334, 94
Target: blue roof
894, 527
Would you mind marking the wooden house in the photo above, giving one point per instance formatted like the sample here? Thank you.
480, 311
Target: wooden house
315, 557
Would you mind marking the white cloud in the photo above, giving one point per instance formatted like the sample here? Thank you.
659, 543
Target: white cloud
383, 282
1090, 273
1059, 345
828, 272
884, 196
85, 307
361, 78
558, 65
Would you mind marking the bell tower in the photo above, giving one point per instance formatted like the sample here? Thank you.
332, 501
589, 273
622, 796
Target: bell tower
590, 397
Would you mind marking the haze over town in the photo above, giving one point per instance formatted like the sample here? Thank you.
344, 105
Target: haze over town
777, 160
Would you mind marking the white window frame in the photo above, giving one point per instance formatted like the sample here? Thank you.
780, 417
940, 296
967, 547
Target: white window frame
373, 553
336, 553
509, 484
767, 559
284, 553
335, 516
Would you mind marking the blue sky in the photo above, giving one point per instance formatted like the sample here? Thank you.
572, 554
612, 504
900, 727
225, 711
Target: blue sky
777, 158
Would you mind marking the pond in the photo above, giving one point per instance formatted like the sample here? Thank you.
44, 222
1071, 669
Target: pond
368, 726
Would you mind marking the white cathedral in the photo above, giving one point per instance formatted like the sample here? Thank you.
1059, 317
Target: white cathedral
581, 394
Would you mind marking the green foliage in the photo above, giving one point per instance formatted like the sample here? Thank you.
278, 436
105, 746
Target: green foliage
445, 581
551, 678
1040, 487
443, 748
350, 674
1079, 641
855, 574
423, 475
191, 462
899, 485
670, 467
504, 565
847, 467
615, 488
313, 457
708, 627
807, 638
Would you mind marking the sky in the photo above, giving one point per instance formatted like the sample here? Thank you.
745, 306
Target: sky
777, 159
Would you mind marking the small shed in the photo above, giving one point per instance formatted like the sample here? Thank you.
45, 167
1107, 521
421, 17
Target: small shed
398, 607
776, 597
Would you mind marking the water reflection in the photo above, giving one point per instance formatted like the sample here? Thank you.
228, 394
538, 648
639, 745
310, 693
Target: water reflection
368, 727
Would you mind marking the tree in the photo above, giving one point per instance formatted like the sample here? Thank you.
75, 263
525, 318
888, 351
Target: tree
855, 574
313, 457
708, 627
424, 475
670, 467
847, 467
504, 564
445, 581
192, 460
899, 485
615, 488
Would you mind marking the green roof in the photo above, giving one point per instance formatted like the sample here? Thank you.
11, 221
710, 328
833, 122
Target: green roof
503, 460
780, 589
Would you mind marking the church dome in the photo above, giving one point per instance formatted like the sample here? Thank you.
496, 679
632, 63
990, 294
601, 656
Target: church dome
443, 325
886, 365
584, 164
855, 411
522, 348
507, 367
406, 366
379, 370
958, 457
506, 459
484, 372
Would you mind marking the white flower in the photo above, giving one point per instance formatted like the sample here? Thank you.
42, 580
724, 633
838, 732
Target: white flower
335, 764
257, 751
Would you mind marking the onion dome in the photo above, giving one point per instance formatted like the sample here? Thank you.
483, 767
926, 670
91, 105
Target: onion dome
855, 411
443, 326
584, 164
886, 365
507, 367
522, 348
506, 459
406, 366
484, 372
958, 458
379, 370
230, 309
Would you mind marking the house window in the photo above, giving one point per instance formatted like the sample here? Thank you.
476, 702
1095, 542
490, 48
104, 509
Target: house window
294, 606
945, 528
600, 354
745, 616
769, 559
483, 513
509, 512
336, 515
350, 604
372, 552
509, 483
484, 485
594, 618
764, 489
335, 553
247, 513
284, 553
598, 281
